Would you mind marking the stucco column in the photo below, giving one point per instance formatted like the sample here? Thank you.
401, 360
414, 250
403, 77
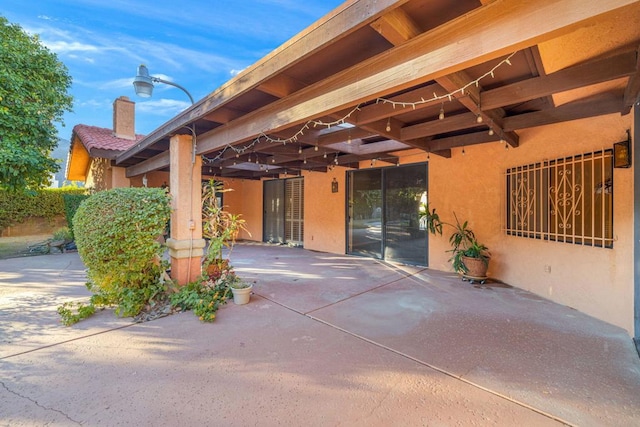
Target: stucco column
186, 243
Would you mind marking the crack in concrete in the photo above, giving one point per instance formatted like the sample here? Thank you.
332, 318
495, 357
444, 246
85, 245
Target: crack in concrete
35, 402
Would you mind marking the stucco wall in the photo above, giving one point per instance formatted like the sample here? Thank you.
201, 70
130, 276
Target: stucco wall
324, 211
594, 280
245, 199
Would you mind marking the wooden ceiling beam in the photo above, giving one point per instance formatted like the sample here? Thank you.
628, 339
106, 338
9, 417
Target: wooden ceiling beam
159, 161
377, 111
343, 135
433, 127
471, 40
586, 74
632, 92
436, 145
344, 20
492, 118
280, 86
396, 26
223, 115
595, 106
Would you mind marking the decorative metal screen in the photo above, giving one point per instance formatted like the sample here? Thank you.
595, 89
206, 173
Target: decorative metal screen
565, 200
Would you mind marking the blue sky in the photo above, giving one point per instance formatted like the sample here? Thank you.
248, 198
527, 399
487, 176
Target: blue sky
198, 44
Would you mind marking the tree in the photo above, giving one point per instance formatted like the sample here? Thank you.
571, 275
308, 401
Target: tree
33, 97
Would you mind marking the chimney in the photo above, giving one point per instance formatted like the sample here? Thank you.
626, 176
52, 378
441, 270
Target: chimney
124, 123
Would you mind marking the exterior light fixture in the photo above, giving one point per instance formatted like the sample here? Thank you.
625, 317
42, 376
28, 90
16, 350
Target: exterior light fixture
143, 83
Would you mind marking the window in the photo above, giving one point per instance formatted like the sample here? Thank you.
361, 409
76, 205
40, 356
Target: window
566, 200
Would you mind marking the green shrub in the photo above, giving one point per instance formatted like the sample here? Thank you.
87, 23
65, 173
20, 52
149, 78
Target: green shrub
116, 234
205, 296
71, 203
47, 203
63, 233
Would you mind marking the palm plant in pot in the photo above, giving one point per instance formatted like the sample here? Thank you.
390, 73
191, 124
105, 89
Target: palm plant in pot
220, 228
468, 256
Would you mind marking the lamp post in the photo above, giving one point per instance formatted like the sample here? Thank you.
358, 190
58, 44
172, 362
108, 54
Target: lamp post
143, 83
185, 244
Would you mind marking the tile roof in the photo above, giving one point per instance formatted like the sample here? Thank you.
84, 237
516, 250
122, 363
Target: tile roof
94, 137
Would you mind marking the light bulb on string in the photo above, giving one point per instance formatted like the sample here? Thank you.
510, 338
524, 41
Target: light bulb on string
441, 115
349, 138
300, 149
324, 155
479, 118
388, 128
491, 131
315, 148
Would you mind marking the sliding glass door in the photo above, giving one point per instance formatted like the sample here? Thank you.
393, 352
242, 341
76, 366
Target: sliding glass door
383, 216
284, 211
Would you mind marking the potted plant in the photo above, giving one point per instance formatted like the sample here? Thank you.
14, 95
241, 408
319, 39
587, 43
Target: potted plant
241, 290
468, 256
219, 227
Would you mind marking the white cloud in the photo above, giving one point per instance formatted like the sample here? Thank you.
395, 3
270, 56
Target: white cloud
63, 47
162, 107
125, 83
235, 72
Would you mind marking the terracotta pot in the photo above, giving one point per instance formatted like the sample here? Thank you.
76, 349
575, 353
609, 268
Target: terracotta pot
476, 267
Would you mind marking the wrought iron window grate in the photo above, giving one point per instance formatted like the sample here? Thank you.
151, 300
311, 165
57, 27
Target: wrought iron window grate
566, 200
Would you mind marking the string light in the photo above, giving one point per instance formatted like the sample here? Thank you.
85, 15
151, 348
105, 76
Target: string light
349, 138
262, 137
448, 96
315, 148
491, 131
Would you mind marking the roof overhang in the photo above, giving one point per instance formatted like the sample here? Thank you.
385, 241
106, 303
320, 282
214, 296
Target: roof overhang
391, 69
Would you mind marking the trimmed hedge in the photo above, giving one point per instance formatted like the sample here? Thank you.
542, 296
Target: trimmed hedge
116, 232
47, 203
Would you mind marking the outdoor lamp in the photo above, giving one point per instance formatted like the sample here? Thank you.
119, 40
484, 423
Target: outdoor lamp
143, 83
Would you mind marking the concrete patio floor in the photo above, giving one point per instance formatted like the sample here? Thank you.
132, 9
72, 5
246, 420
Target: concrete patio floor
326, 340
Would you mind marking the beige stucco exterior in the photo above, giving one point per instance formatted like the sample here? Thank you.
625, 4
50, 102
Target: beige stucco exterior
597, 281
471, 183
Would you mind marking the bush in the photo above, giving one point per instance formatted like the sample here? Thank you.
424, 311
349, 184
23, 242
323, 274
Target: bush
48, 203
71, 203
116, 234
